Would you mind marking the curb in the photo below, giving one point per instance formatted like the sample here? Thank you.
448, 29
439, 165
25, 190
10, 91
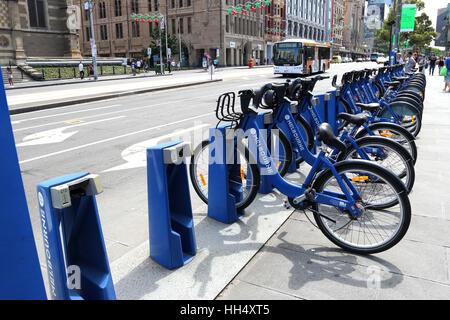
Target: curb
105, 97
43, 84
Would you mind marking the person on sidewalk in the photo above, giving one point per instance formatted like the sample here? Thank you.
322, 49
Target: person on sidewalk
10, 76
91, 70
433, 59
447, 77
399, 58
133, 67
441, 63
138, 66
81, 69
410, 62
169, 66
421, 63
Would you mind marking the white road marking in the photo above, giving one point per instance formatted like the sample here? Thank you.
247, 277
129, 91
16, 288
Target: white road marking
136, 155
110, 139
56, 135
61, 114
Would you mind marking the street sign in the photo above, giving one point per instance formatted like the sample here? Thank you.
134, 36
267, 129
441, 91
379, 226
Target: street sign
408, 18
169, 52
149, 52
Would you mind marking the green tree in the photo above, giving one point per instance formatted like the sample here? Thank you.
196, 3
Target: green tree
422, 35
172, 42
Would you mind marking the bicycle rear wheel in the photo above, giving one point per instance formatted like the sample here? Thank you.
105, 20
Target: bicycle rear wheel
377, 229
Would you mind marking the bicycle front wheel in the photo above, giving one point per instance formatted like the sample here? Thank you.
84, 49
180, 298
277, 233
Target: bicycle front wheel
378, 228
247, 180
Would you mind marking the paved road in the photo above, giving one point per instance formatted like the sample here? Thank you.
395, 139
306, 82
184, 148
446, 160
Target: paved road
110, 138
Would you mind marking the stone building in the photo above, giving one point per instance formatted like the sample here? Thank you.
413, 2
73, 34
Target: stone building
337, 25
37, 28
204, 26
353, 37
275, 25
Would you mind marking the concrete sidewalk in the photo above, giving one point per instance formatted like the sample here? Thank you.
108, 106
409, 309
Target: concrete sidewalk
275, 253
298, 262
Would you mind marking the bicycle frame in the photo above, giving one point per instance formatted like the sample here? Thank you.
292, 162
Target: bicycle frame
345, 201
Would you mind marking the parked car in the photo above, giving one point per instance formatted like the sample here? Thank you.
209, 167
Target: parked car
344, 60
359, 60
350, 59
336, 59
382, 60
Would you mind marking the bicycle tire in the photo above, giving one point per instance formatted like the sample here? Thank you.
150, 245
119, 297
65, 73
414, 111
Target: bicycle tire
252, 166
402, 110
408, 138
408, 170
383, 174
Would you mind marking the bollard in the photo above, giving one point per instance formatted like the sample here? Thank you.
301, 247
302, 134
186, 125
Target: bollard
171, 224
68, 203
222, 196
20, 271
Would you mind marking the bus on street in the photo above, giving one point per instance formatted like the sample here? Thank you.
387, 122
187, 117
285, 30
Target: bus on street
300, 57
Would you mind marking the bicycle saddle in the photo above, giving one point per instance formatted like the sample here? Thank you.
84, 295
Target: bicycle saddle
401, 79
357, 119
326, 135
371, 107
393, 84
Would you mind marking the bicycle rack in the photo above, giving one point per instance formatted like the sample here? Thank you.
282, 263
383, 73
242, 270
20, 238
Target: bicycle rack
222, 196
73, 238
171, 224
20, 272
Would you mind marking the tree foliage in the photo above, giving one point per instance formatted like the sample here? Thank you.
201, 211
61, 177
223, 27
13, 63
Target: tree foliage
423, 33
172, 43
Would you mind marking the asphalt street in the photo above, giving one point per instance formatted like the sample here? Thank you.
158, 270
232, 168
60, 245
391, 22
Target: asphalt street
110, 138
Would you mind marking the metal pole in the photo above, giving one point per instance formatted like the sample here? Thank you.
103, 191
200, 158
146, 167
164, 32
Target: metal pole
399, 18
93, 48
160, 42
179, 42
166, 26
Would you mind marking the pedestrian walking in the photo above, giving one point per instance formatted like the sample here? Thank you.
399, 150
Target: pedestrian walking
441, 63
399, 58
81, 69
138, 66
91, 70
133, 67
447, 77
169, 66
10, 76
410, 62
433, 60
421, 63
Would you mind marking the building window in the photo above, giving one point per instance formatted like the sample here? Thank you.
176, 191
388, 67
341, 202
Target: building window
117, 8
173, 26
103, 32
189, 30
172, 3
188, 3
149, 5
181, 26
150, 28
102, 10
119, 31
156, 5
134, 6
180, 3
86, 14
88, 33
135, 29
36, 11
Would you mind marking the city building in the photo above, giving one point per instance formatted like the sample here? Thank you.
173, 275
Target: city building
308, 19
37, 28
337, 26
353, 33
203, 26
275, 26
443, 28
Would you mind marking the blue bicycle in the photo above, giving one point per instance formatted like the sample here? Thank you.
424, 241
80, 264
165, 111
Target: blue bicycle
358, 205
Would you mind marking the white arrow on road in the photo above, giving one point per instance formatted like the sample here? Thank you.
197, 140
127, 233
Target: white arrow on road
55, 135
136, 155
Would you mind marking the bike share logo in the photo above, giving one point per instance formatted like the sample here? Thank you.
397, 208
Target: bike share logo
294, 132
264, 158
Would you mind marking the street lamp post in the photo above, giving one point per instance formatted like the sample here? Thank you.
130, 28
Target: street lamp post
93, 47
